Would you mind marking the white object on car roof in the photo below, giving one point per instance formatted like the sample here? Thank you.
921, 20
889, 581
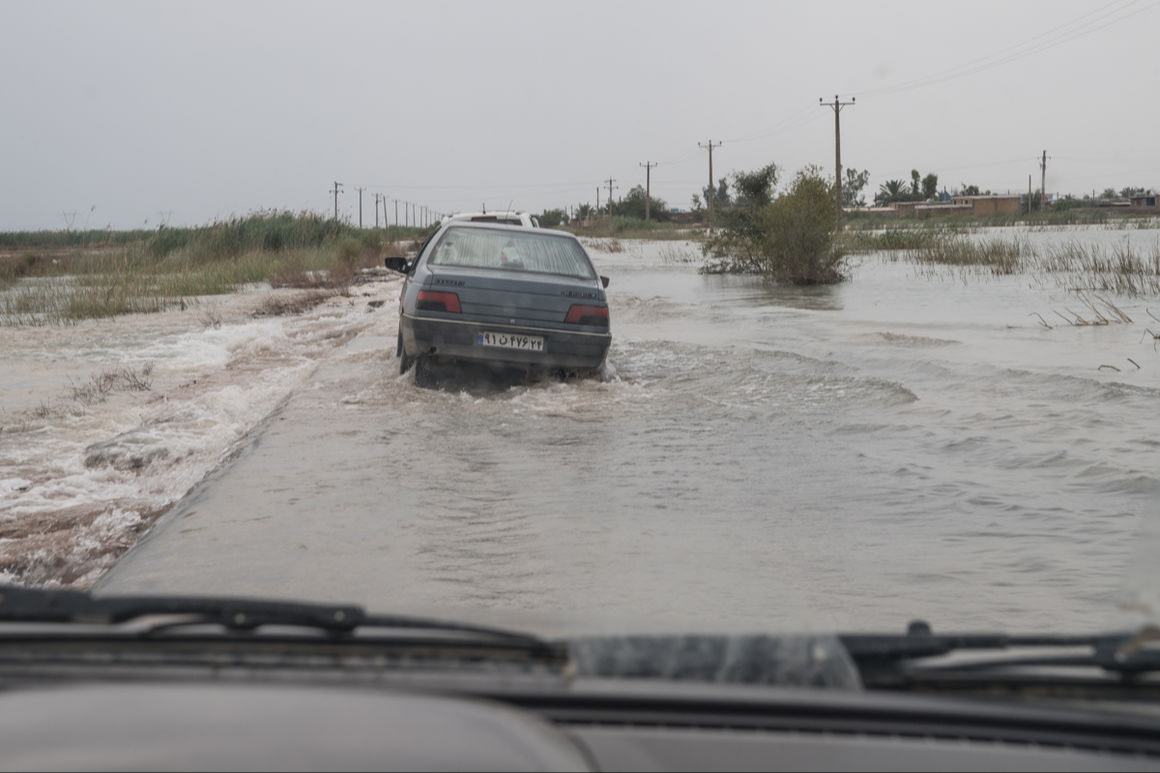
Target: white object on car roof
503, 218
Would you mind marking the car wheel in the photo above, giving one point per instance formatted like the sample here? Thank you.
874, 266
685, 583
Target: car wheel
405, 360
424, 376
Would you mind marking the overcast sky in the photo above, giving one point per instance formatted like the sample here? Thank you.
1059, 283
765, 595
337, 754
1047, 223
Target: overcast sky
131, 113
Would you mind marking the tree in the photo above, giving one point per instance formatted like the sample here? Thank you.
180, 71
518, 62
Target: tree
929, 187
1109, 193
789, 238
721, 199
891, 191
550, 218
915, 185
969, 190
584, 211
852, 187
1127, 193
632, 205
755, 189
753, 192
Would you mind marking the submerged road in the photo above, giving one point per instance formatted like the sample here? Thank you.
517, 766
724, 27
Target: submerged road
764, 459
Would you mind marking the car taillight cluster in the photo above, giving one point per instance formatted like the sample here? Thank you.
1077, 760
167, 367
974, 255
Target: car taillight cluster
430, 300
587, 315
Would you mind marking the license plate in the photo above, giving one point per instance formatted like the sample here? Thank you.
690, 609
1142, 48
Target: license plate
510, 341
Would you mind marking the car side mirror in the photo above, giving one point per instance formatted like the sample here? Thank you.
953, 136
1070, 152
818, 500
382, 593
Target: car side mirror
604, 281
396, 264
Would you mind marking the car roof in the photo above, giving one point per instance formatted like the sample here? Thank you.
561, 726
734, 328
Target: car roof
483, 224
499, 213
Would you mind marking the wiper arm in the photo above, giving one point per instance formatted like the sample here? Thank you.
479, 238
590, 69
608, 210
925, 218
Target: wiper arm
1125, 653
240, 614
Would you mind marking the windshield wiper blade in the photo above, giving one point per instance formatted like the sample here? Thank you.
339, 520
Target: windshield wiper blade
1125, 653
33, 605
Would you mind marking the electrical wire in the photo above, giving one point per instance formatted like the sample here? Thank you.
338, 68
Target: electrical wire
1020, 52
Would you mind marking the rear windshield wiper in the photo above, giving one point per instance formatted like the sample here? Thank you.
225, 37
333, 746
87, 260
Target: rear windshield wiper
1127, 654
32, 605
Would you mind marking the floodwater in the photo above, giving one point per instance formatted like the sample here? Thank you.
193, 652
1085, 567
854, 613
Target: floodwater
908, 444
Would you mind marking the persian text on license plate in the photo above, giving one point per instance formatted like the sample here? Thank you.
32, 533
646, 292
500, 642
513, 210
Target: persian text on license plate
510, 341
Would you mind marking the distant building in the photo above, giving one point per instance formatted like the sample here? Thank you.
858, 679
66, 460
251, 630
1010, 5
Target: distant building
990, 205
1145, 200
943, 209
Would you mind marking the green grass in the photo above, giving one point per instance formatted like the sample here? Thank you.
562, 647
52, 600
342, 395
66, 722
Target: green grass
172, 267
999, 256
605, 227
893, 239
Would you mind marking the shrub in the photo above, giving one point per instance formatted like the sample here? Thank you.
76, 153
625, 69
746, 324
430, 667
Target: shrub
789, 238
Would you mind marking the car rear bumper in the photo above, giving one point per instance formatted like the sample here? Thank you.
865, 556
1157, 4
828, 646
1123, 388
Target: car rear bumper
458, 340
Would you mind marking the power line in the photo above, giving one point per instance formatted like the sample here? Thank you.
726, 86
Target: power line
982, 63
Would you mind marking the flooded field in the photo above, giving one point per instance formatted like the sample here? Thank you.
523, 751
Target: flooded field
911, 443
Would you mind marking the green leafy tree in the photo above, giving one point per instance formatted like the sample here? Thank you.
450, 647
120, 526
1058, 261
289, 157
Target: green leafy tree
752, 193
550, 218
969, 190
721, 198
852, 187
915, 185
789, 238
632, 205
929, 187
1127, 193
891, 191
1109, 193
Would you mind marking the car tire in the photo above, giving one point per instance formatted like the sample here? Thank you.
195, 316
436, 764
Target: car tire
405, 360
424, 376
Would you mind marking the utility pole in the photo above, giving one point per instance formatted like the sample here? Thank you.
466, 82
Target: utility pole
837, 106
709, 145
377, 197
396, 213
69, 219
1043, 180
597, 198
360, 192
1029, 194
648, 165
337, 188
610, 182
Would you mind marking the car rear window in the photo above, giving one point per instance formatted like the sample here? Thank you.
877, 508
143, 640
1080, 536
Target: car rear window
487, 248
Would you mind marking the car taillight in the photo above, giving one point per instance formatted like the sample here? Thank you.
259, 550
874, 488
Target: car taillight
587, 315
433, 301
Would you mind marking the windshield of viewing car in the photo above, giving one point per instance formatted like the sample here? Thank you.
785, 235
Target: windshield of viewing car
511, 250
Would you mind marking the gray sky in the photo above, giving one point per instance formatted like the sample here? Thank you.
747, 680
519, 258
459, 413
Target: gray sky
122, 111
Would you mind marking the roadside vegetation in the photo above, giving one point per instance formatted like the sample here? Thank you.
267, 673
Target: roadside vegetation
1122, 268
53, 279
786, 236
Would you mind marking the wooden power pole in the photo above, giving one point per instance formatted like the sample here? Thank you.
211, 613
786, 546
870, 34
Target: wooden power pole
709, 145
837, 106
610, 182
337, 188
648, 165
360, 192
1043, 181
